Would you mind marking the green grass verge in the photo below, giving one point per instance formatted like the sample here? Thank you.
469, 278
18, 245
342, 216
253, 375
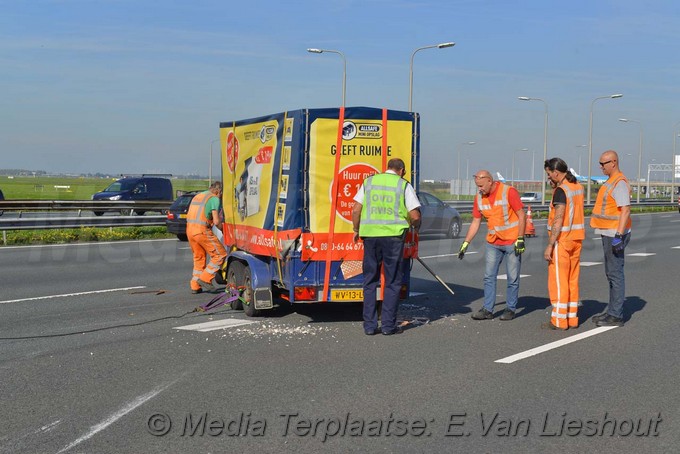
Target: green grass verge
85, 235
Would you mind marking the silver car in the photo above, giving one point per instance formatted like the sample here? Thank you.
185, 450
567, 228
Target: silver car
438, 217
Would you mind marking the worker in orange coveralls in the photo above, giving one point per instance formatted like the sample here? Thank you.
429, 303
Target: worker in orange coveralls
566, 231
203, 213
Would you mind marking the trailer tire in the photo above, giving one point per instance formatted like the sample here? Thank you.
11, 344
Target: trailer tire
235, 278
249, 294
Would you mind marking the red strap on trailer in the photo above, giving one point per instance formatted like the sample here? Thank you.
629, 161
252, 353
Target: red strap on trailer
334, 201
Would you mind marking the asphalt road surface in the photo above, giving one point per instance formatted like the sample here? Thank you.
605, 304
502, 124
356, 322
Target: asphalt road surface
308, 380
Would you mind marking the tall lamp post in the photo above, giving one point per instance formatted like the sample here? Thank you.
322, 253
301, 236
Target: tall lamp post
460, 183
513, 163
590, 141
410, 79
545, 139
626, 120
675, 135
210, 168
344, 67
580, 152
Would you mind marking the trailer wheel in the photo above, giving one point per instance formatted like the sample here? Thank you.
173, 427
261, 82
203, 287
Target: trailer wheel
249, 294
235, 278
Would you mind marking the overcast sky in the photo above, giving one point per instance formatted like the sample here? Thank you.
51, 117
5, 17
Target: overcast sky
141, 86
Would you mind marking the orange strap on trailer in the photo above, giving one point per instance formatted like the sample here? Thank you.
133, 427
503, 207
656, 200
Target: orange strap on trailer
334, 201
384, 168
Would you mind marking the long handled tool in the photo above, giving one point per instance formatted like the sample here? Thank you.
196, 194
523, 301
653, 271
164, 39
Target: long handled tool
435, 276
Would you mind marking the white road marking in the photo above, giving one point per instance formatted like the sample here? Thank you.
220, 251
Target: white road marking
677, 220
553, 345
675, 247
214, 325
591, 263
95, 243
446, 255
641, 254
73, 294
115, 417
505, 276
48, 427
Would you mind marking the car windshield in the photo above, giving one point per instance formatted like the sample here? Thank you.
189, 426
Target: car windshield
121, 185
529, 194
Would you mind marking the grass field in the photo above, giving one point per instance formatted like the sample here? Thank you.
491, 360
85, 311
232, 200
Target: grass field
72, 188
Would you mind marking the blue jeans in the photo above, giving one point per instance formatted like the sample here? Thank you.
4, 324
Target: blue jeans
494, 257
613, 268
389, 252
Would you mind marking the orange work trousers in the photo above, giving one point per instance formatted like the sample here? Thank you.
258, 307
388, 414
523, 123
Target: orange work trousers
563, 274
203, 243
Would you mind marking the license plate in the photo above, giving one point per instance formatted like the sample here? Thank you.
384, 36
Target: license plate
182, 216
348, 294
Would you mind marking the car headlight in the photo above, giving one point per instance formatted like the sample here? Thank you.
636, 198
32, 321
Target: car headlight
115, 197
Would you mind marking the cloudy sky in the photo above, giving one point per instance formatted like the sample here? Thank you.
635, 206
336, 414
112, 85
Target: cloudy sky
141, 86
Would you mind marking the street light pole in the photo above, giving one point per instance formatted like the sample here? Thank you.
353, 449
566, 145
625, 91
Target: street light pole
460, 184
545, 140
410, 79
344, 67
675, 135
590, 141
513, 162
211, 155
580, 152
626, 120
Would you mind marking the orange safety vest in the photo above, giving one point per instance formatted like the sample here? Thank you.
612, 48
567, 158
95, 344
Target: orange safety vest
573, 226
196, 218
502, 221
606, 214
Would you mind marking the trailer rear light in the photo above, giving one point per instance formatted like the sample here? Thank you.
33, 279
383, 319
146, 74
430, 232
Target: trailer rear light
171, 216
305, 293
403, 292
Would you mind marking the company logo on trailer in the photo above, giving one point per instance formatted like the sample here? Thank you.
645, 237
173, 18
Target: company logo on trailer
350, 130
266, 133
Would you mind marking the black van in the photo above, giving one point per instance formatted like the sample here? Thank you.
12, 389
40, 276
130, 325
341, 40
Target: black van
144, 187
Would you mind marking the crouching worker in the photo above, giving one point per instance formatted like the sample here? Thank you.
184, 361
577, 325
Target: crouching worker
204, 212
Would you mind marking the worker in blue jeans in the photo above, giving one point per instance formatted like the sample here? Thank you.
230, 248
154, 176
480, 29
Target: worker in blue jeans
504, 212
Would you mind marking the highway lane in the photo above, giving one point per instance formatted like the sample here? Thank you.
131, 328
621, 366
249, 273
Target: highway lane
96, 392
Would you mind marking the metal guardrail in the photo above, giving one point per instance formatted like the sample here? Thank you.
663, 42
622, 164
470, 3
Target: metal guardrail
84, 216
466, 207
46, 206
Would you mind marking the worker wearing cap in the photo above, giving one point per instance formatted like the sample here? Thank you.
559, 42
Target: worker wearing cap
386, 205
203, 213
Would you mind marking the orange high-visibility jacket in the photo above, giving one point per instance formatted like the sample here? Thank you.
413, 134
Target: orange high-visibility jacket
502, 221
606, 214
573, 226
196, 219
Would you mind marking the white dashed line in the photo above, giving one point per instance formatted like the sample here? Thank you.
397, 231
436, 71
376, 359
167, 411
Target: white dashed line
73, 294
553, 345
214, 325
590, 263
641, 254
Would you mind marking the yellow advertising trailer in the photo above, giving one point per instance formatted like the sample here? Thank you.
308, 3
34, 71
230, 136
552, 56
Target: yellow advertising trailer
289, 183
